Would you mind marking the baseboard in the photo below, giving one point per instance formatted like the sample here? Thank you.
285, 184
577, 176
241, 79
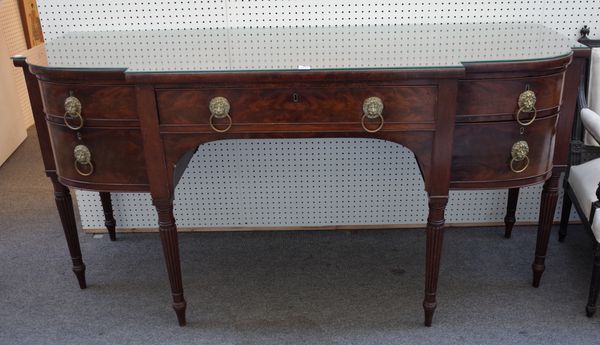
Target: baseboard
311, 228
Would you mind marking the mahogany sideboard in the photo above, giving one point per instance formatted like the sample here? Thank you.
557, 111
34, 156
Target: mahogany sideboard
480, 105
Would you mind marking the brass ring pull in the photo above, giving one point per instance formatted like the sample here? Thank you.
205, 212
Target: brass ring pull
512, 165
69, 117
362, 122
372, 109
219, 109
523, 110
210, 122
526, 103
83, 158
73, 112
519, 153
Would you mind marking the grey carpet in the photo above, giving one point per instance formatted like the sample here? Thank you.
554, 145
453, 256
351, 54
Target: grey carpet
281, 287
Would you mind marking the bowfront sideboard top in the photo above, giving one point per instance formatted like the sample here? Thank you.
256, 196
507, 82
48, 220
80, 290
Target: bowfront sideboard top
480, 105
412, 46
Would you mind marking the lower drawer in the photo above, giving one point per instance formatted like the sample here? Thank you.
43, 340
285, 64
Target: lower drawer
482, 153
117, 158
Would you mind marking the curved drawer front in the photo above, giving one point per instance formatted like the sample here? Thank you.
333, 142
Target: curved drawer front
482, 152
482, 100
116, 155
98, 102
402, 104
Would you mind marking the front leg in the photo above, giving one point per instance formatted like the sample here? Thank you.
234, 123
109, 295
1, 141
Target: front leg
547, 208
170, 244
435, 237
64, 204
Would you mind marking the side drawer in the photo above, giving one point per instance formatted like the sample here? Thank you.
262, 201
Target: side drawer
482, 152
115, 102
117, 157
402, 104
489, 97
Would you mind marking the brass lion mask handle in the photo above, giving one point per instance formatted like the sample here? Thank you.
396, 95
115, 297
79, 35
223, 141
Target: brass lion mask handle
83, 160
73, 118
526, 104
372, 110
219, 109
519, 153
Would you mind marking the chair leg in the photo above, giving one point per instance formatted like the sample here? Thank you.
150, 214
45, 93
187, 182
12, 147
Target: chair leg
564, 216
511, 208
590, 309
109, 219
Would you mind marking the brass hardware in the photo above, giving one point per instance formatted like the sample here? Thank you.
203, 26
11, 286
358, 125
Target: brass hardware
73, 112
372, 109
512, 165
526, 103
519, 150
219, 109
519, 153
83, 158
527, 100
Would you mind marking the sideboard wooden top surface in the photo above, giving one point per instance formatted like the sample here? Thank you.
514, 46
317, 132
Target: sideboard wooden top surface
411, 46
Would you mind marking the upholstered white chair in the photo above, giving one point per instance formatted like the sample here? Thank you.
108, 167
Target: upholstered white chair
593, 97
582, 189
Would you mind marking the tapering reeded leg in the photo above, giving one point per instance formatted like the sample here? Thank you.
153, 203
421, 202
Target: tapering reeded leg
170, 244
546, 218
435, 237
511, 208
64, 204
590, 309
564, 216
109, 219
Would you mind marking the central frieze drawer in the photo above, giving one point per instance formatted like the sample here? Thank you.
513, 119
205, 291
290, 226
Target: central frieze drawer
402, 104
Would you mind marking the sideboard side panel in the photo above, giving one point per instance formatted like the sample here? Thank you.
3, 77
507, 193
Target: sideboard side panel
567, 111
37, 108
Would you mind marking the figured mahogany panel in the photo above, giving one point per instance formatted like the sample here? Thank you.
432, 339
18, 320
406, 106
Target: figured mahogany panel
97, 101
482, 153
482, 99
117, 156
402, 104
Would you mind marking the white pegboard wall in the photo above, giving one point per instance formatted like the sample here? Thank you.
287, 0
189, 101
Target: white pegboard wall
306, 182
60, 16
